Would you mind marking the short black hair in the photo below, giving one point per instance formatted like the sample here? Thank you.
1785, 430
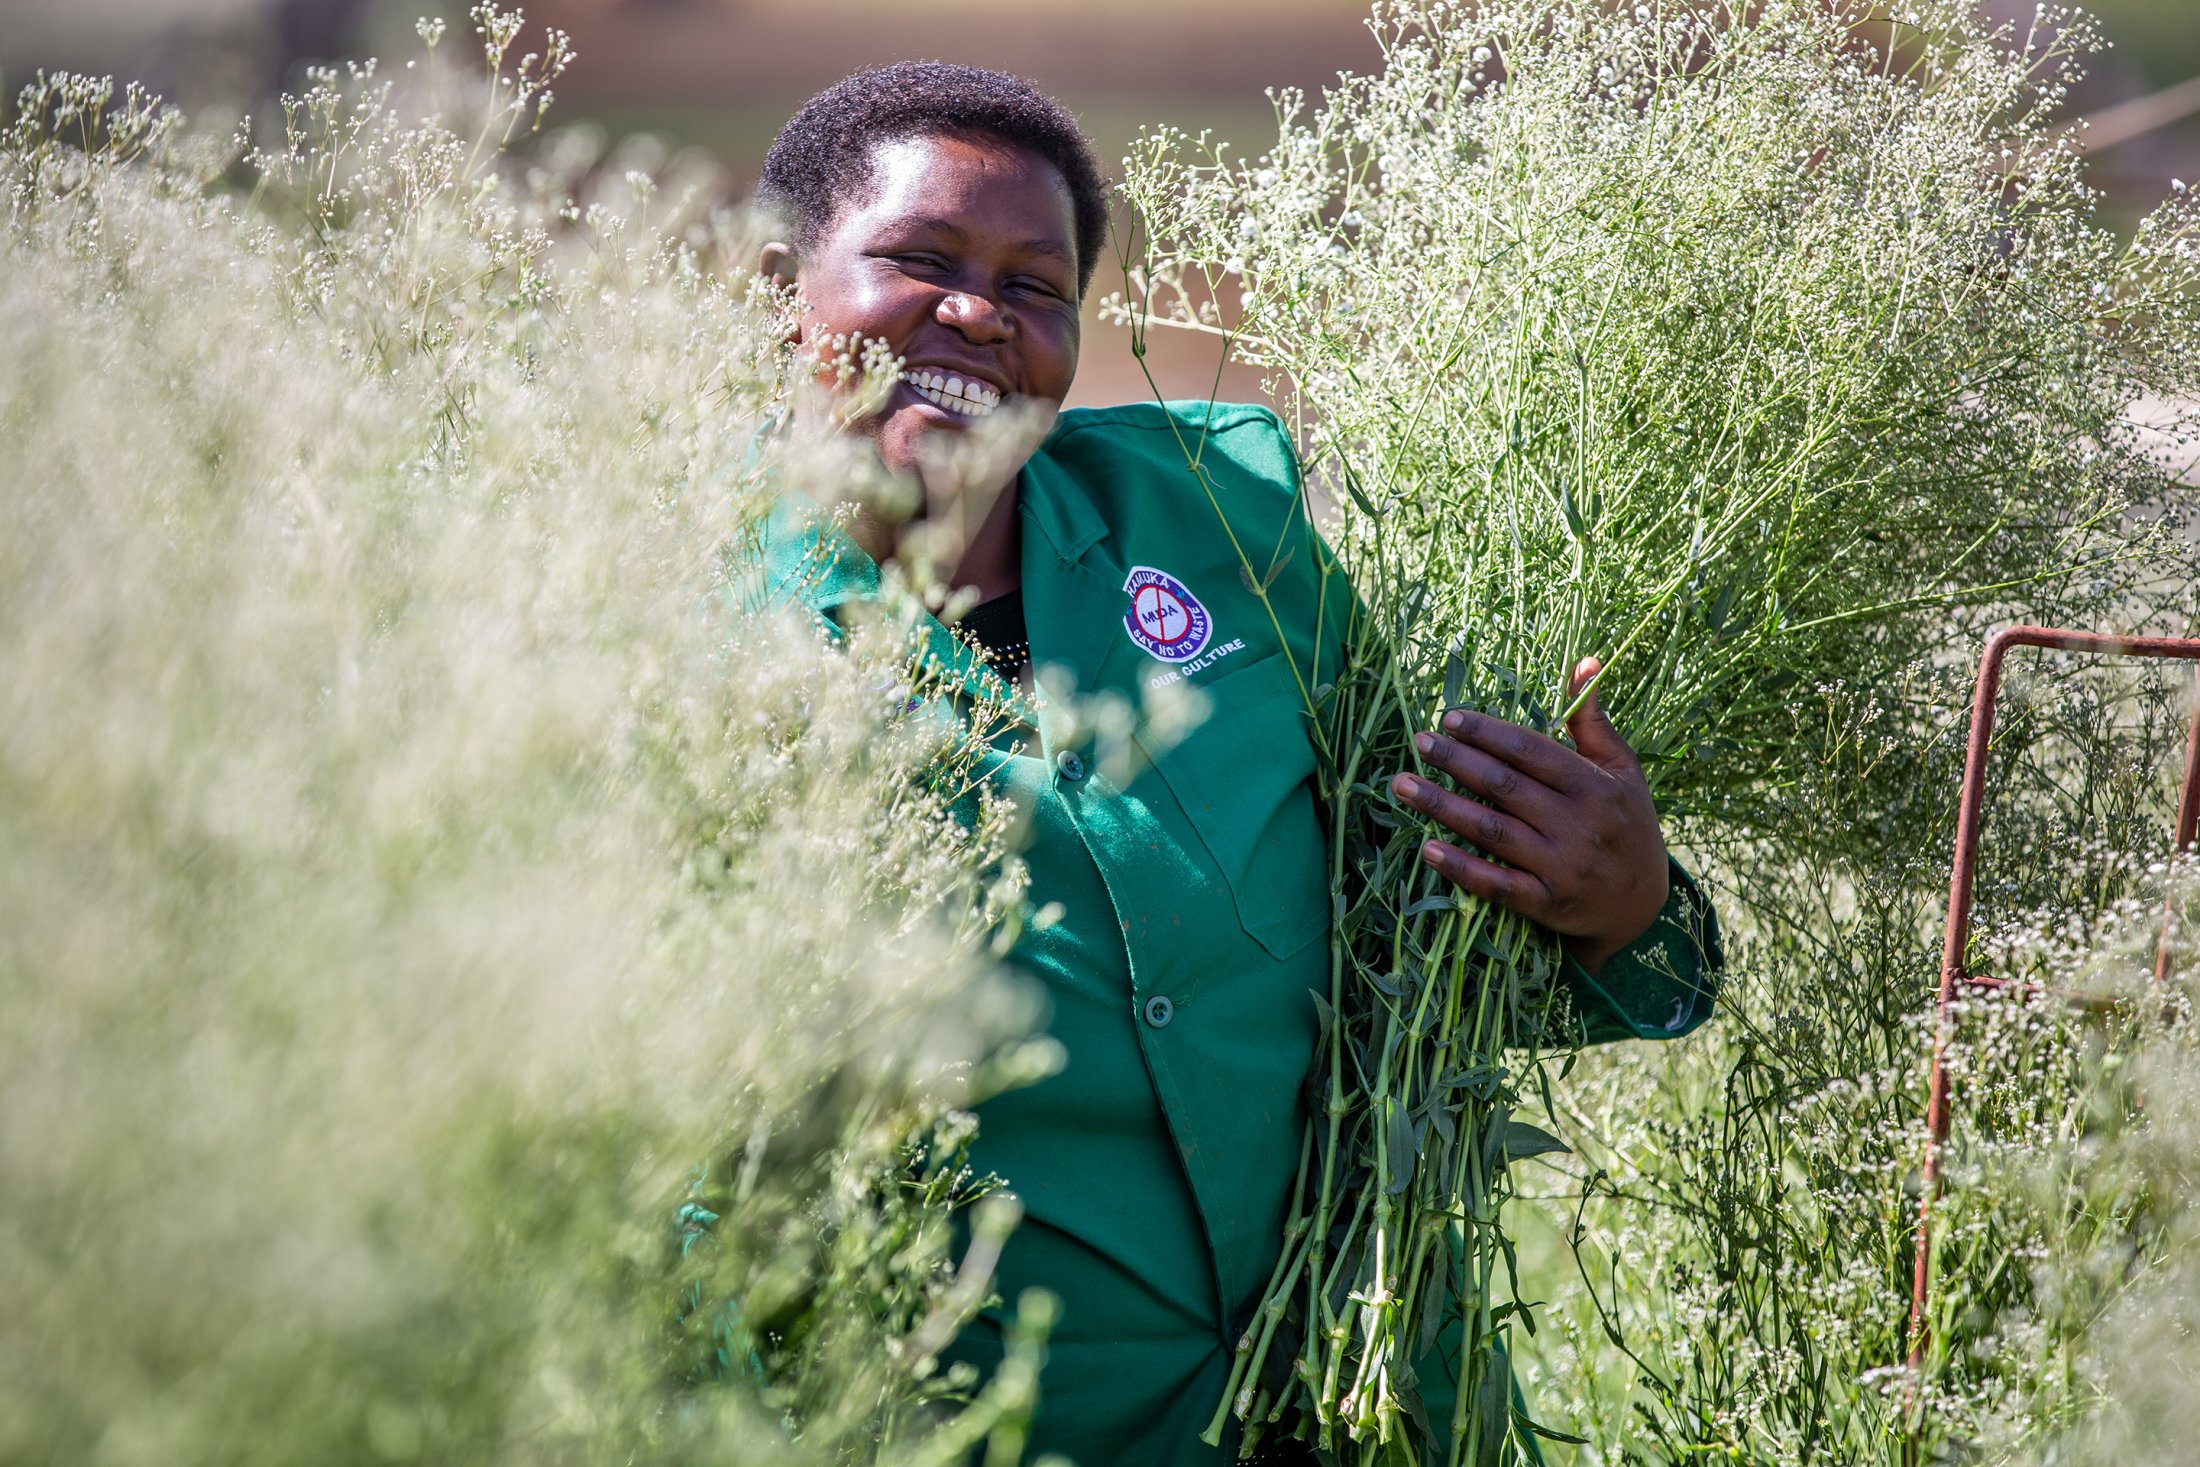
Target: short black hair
822, 158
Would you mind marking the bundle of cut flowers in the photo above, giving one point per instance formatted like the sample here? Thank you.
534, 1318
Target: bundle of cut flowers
470, 988
1744, 348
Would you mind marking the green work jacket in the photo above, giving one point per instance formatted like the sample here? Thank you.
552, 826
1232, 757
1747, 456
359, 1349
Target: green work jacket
1189, 873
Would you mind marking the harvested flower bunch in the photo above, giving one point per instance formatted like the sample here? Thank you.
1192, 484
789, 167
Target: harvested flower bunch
1740, 348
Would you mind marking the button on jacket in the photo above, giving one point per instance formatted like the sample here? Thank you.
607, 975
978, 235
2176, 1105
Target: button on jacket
1155, 1168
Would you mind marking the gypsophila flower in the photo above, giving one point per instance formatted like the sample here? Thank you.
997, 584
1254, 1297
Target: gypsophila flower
480, 983
1706, 348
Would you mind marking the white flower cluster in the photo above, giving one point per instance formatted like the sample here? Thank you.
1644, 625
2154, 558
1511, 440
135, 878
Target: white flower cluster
1750, 1235
477, 984
1766, 352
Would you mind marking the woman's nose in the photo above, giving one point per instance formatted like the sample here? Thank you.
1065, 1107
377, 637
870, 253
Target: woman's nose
974, 316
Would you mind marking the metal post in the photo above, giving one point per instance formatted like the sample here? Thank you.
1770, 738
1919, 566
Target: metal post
2188, 830
1970, 815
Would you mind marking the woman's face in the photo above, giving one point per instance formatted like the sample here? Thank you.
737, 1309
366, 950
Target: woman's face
963, 259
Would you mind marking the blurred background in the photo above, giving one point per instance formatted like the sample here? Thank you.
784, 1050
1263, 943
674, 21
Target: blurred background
722, 75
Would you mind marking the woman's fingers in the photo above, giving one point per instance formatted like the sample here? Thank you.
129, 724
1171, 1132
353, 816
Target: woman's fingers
1505, 785
1594, 737
1536, 755
1493, 830
1508, 886
1573, 832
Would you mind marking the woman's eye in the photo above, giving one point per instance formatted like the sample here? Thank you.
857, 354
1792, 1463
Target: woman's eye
1036, 287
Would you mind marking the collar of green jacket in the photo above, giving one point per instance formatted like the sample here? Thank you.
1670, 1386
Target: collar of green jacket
809, 561
805, 559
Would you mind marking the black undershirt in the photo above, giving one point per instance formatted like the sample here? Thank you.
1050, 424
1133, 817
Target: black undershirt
997, 626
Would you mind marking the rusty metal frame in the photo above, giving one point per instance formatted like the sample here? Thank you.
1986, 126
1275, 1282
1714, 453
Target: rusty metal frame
1969, 816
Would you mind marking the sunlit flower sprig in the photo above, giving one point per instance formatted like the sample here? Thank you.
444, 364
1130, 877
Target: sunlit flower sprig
1750, 350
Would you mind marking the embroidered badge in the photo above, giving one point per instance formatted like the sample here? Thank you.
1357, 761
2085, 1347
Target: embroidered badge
1165, 618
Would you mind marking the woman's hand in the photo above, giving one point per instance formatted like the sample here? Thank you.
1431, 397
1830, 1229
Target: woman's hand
1575, 828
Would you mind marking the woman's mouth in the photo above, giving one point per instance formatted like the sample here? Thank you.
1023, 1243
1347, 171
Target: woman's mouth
964, 395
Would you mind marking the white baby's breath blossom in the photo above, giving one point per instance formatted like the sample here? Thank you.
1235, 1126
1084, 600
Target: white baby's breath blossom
1709, 346
478, 983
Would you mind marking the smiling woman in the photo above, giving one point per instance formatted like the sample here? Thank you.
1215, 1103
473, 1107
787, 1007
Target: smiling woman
955, 216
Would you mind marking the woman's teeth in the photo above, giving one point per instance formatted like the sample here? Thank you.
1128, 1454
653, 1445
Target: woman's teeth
957, 394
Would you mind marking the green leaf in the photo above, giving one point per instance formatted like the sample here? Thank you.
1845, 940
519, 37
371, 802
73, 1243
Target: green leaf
1394, 984
1418, 1410
1494, 1404
1352, 487
1434, 1306
1482, 1080
1716, 616
1523, 1140
1528, 1423
1400, 1146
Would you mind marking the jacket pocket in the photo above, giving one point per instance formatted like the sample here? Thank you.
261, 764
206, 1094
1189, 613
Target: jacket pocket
1243, 778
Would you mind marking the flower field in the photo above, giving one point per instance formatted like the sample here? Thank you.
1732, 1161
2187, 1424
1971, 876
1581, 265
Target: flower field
451, 945
475, 987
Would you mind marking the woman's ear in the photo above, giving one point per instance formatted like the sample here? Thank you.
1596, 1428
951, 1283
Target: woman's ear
778, 260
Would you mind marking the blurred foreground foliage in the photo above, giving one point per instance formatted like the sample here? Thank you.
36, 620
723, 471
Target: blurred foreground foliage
417, 860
